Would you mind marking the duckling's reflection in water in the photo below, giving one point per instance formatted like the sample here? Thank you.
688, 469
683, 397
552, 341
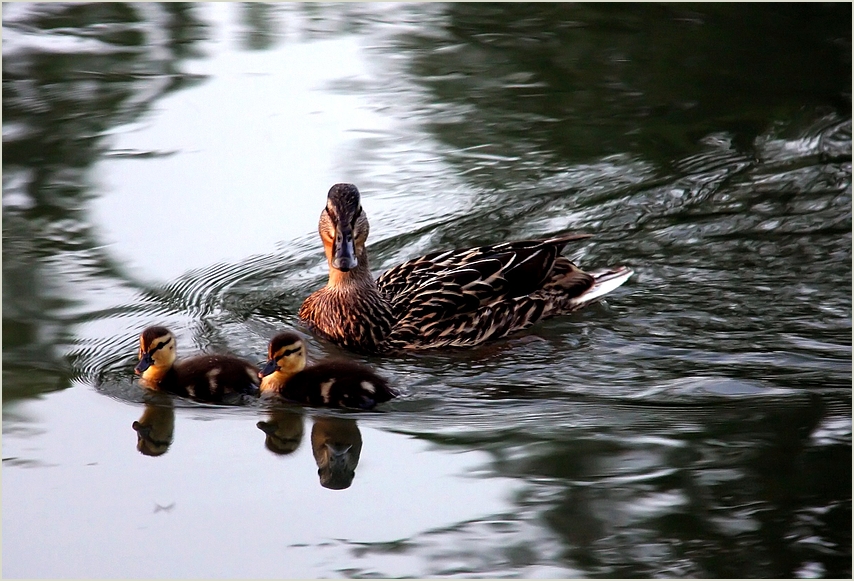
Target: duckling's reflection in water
336, 444
284, 431
156, 427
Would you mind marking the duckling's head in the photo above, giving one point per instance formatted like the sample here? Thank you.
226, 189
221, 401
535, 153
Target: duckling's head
344, 229
156, 353
285, 357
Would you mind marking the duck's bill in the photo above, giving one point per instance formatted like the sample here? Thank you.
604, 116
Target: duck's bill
269, 368
344, 251
144, 363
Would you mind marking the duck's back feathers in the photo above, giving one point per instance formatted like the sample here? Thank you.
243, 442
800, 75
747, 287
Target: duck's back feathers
465, 297
211, 378
509, 269
334, 383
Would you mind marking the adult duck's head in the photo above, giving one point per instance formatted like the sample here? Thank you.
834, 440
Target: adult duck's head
157, 352
285, 358
344, 230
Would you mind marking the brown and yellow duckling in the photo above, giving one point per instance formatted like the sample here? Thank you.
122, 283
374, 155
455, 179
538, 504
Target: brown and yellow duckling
209, 378
327, 383
454, 298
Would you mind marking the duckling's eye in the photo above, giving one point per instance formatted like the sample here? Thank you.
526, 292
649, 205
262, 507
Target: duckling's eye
160, 346
287, 352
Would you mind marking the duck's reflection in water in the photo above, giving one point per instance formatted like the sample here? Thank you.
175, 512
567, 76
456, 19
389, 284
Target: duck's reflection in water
284, 431
336, 444
156, 427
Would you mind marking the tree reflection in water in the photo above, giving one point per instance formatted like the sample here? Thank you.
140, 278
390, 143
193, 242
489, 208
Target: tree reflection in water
91, 68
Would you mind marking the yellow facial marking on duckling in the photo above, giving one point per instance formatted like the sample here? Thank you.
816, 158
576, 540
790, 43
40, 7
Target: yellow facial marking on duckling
290, 360
162, 352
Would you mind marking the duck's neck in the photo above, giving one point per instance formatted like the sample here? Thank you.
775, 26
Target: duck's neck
155, 374
274, 382
350, 310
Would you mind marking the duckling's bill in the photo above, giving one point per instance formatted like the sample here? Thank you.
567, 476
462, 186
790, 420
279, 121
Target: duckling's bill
272, 366
145, 362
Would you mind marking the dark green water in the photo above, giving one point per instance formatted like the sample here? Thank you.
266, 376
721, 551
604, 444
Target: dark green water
167, 164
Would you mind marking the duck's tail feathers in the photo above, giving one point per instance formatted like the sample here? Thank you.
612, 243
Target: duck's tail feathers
604, 282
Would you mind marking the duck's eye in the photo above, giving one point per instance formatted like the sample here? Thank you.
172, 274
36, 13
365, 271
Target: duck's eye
160, 346
330, 211
289, 352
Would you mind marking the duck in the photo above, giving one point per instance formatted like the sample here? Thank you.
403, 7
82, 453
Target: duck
206, 378
329, 383
449, 298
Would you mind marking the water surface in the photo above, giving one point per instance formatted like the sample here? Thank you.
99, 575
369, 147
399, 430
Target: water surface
166, 164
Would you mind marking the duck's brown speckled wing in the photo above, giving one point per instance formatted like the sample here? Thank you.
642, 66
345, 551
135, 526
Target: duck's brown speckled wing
463, 297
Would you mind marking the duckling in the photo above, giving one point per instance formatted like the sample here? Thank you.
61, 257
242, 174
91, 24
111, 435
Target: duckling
209, 378
328, 383
453, 298
336, 444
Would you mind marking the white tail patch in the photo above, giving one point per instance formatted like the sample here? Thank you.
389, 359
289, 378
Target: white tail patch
606, 281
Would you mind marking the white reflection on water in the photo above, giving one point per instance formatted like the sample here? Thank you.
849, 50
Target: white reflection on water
256, 146
239, 509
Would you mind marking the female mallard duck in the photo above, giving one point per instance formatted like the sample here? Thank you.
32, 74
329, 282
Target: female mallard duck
455, 298
328, 383
210, 378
